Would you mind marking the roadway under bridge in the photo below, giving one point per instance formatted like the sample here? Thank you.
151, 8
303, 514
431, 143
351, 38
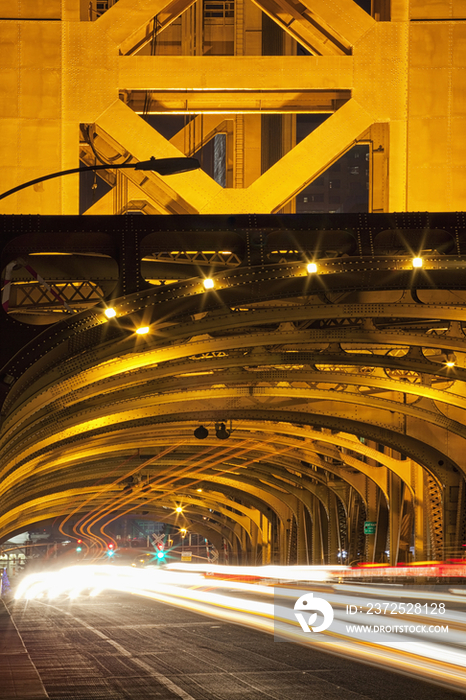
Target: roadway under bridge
332, 396
118, 646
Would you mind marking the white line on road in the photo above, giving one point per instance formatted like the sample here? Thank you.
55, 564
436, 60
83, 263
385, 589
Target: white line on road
163, 680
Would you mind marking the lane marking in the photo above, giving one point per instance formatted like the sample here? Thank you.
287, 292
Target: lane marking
163, 680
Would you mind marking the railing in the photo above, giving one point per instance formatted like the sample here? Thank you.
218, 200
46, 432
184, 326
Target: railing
219, 9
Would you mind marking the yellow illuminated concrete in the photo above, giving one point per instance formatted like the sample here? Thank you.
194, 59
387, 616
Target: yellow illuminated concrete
190, 190
437, 9
235, 73
299, 166
323, 27
407, 75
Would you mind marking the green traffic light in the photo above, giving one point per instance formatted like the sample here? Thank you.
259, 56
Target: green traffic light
79, 549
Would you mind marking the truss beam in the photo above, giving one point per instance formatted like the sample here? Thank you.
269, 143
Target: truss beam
235, 73
323, 28
237, 102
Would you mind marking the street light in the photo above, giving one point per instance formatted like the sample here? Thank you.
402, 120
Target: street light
162, 166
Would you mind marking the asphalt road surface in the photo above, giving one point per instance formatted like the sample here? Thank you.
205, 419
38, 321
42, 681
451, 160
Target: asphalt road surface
118, 646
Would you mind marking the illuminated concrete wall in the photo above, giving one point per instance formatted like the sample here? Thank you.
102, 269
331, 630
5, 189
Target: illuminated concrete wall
394, 82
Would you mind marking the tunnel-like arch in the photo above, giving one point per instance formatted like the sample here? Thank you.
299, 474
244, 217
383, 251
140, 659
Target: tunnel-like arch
341, 391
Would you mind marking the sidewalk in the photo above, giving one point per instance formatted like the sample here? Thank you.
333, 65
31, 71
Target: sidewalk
18, 675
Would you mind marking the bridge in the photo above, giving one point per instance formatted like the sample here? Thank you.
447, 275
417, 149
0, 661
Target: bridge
276, 373
296, 395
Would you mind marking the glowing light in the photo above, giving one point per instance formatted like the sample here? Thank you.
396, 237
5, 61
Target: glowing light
208, 283
199, 490
217, 590
183, 531
110, 313
312, 267
450, 363
178, 509
143, 330
417, 262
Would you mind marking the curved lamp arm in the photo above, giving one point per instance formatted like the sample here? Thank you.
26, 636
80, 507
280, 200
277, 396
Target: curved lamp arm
162, 166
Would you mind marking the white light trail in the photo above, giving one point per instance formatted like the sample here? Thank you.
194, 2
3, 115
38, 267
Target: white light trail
226, 593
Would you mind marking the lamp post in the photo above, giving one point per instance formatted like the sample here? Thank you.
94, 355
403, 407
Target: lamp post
162, 166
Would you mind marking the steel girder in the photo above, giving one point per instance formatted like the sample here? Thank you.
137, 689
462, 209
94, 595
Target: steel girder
336, 385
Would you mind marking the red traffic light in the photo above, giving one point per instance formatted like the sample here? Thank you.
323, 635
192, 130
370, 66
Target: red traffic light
110, 545
79, 541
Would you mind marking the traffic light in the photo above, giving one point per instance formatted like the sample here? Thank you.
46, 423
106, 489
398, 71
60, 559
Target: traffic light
111, 548
79, 548
160, 551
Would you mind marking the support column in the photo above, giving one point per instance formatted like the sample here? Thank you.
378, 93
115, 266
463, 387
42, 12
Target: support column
266, 528
371, 516
379, 156
283, 543
420, 532
435, 517
254, 544
381, 536
234, 551
302, 551
317, 538
334, 545
450, 512
245, 553
395, 505
461, 516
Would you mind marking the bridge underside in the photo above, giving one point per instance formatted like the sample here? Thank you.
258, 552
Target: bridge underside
341, 391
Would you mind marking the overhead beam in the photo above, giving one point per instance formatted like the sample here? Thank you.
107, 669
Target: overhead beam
236, 102
235, 73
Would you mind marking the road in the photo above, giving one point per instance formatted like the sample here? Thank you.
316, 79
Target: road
119, 645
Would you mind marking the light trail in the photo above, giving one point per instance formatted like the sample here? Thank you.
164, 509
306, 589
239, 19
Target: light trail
268, 605
171, 478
